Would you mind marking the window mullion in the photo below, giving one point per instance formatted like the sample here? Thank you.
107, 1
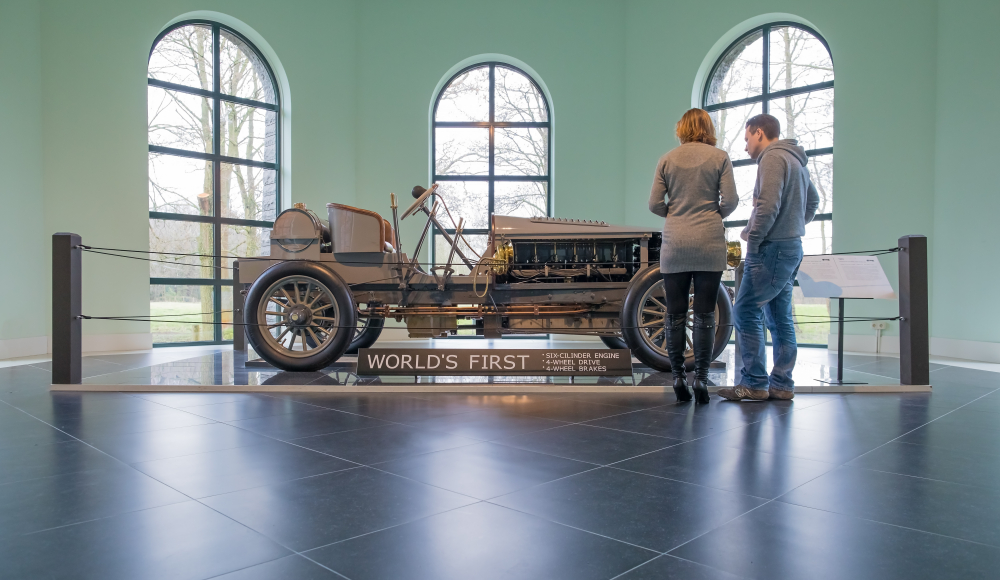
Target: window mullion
492, 157
217, 180
766, 67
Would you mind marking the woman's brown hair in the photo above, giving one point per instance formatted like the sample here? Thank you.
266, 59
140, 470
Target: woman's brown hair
696, 125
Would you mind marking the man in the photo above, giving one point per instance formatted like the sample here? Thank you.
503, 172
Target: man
784, 201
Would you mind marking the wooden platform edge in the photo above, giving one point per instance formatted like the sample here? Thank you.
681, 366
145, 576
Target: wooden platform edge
454, 388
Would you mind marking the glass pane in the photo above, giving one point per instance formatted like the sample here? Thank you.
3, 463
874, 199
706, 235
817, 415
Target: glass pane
472, 246
521, 151
467, 199
179, 312
521, 198
730, 126
182, 238
821, 173
227, 313
807, 117
745, 177
517, 98
248, 132
184, 57
810, 314
243, 241
818, 238
179, 120
248, 193
733, 235
740, 72
467, 98
244, 74
462, 151
180, 185
796, 59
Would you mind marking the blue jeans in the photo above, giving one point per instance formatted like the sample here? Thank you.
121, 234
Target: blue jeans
766, 297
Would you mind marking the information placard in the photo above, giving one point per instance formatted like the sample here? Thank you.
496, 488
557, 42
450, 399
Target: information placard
843, 277
482, 361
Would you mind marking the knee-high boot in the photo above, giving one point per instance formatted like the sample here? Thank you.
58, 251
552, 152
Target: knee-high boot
676, 345
703, 341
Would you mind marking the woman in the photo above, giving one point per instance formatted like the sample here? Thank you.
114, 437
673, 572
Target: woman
694, 189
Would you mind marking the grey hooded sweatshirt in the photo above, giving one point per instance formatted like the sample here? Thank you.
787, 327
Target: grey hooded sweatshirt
784, 198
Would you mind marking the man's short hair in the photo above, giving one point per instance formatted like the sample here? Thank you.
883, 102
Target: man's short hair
766, 123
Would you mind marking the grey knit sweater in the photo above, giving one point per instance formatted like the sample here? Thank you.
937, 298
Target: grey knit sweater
784, 197
693, 188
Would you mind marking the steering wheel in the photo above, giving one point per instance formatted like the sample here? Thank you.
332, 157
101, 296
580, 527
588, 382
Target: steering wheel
419, 201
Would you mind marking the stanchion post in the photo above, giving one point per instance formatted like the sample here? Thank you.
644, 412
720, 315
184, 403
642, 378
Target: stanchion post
239, 331
67, 332
914, 330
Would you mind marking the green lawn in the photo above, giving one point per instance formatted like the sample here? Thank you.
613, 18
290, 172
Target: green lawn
164, 331
811, 333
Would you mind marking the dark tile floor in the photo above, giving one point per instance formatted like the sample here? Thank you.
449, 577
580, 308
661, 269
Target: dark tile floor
482, 486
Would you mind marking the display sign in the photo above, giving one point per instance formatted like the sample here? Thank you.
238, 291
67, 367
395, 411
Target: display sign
843, 277
481, 361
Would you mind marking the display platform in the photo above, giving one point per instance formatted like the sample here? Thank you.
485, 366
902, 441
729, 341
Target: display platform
229, 371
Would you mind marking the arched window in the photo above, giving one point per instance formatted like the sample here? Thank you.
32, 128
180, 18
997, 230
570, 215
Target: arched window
213, 123
786, 70
491, 147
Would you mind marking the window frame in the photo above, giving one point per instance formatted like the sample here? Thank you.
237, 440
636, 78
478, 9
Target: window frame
766, 95
491, 178
216, 219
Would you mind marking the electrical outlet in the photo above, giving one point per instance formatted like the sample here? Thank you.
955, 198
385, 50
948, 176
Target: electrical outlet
880, 325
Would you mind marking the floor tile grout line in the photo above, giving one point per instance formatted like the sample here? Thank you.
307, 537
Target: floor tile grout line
923, 425
572, 527
911, 476
304, 552
880, 522
701, 485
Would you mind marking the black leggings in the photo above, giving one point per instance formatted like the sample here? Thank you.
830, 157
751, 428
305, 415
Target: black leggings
678, 288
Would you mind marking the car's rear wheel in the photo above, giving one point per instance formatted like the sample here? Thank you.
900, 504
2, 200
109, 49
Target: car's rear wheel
368, 330
300, 316
614, 342
644, 315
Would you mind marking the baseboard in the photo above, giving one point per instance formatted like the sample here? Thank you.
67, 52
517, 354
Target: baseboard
21, 347
113, 342
966, 349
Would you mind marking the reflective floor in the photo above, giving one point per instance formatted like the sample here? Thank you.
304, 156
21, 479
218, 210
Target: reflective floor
484, 486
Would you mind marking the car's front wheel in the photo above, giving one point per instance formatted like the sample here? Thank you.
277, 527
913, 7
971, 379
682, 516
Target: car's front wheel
300, 316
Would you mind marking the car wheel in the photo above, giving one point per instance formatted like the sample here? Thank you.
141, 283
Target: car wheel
644, 314
614, 342
368, 331
300, 316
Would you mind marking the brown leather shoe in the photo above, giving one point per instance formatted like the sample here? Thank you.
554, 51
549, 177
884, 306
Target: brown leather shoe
739, 392
779, 394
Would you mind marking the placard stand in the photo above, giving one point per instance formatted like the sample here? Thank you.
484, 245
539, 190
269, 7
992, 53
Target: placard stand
840, 346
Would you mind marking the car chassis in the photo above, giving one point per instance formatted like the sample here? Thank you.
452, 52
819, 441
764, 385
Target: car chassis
326, 289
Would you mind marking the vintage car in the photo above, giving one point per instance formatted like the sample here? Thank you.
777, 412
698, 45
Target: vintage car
326, 288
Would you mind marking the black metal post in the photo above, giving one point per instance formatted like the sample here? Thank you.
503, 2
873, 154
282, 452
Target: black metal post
67, 333
914, 331
239, 331
840, 340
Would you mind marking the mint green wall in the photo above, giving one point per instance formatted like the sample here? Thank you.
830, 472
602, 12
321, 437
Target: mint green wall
24, 293
94, 131
576, 47
361, 77
884, 57
966, 177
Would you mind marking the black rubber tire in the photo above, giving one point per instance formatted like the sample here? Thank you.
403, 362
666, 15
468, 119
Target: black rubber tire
614, 342
368, 336
632, 334
346, 325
